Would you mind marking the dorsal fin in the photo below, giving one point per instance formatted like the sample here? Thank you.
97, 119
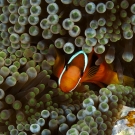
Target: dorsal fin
90, 59
59, 63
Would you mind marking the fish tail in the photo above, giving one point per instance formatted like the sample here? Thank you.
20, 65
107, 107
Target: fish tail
128, 81
112, 78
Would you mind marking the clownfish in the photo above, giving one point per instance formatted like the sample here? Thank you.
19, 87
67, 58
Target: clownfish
78, 70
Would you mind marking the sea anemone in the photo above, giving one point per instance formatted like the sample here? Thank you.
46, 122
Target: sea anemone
31, 101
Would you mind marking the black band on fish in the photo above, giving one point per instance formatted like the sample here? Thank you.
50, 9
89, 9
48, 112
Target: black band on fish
67, 65
82, 73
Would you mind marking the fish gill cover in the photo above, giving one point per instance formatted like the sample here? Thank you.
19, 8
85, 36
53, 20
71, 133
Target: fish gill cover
31, 33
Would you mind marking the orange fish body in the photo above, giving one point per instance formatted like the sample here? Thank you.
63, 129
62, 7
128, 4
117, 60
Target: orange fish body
79, 69
71, 76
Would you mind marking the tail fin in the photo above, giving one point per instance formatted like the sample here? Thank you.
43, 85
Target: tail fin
128, 81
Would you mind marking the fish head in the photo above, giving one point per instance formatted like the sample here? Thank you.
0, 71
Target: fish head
73, 71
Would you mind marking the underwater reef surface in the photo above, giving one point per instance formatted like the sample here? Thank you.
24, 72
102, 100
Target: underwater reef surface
31, 32
125, 126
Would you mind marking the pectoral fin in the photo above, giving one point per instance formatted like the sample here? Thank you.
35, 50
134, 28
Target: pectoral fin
89, 74
128, 81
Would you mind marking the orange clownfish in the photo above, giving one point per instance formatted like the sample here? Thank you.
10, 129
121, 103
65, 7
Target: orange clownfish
79, 69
